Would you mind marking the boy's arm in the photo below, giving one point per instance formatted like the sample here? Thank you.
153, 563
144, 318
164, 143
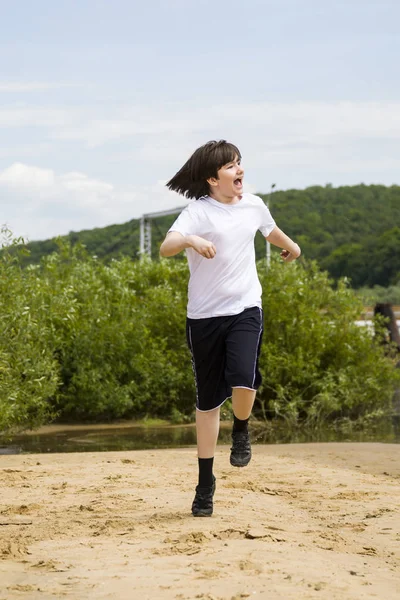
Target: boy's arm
291, 250
176, 242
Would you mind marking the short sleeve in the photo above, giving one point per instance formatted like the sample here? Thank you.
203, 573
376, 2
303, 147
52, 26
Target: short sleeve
267, 222
185, 223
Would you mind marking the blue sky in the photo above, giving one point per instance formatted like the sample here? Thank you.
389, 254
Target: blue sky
102, 102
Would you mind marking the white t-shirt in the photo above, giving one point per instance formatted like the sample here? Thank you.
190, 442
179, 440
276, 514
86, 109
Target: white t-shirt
227, 283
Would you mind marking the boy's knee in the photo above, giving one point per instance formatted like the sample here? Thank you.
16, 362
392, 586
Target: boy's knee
244, 391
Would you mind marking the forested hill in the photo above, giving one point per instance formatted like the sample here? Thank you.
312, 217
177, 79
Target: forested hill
351, 230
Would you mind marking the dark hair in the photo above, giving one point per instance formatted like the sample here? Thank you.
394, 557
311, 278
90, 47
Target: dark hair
191, 179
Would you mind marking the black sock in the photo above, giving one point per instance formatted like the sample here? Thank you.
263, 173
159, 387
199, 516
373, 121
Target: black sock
239, 425
206, 472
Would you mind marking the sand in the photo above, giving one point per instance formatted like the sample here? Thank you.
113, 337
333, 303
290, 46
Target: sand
301, 521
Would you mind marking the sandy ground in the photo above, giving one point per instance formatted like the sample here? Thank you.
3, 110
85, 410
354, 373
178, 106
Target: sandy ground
301, 521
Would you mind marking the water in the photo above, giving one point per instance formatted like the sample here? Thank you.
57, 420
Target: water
101, 438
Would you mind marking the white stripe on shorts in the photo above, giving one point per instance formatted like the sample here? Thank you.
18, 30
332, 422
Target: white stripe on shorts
243, 387
193, 364
258, 343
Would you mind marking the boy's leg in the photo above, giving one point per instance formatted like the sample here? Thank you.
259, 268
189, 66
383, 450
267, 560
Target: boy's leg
207, 428
242, 404
242, 374
206, 341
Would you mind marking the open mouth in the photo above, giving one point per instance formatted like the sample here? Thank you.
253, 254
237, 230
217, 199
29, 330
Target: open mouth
238, 182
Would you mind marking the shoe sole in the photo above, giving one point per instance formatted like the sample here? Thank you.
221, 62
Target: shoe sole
202, 514
235, 464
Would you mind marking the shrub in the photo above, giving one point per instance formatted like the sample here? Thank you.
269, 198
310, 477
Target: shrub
88, 341
316, 362
29, 373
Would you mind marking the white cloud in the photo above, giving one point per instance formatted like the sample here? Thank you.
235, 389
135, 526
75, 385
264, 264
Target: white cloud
31, 151
23, 116
280, 123
31, 86
281, 129
309, 121
81, 183
97, 132
38, 203
292, 144
23, 176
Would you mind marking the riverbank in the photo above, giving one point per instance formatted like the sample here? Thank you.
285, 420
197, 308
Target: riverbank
302, 521
128, 435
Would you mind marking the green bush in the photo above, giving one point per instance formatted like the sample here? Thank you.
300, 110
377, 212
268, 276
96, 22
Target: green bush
316, 363
120, 343
82, 340
29, 373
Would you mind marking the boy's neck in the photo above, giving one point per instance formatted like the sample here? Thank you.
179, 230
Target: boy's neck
225, 199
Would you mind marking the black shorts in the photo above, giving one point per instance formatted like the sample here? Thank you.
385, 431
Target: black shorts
225, 352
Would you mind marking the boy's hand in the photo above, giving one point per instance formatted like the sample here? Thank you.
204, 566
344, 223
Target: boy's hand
202, 246
290, 256
291, 249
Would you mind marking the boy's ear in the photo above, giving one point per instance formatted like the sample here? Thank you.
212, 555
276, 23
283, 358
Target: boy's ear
213, 181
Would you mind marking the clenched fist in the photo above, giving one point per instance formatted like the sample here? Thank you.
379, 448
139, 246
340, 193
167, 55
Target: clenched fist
202, 246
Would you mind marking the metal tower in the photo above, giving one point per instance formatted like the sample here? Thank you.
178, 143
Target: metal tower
145, 228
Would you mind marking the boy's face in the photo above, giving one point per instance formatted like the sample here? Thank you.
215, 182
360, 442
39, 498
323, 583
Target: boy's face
229, 182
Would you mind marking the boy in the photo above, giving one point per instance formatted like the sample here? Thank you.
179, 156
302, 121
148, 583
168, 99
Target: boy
224, 316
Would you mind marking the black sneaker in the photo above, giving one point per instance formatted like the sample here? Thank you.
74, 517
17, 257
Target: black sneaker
203, 501
241, 449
